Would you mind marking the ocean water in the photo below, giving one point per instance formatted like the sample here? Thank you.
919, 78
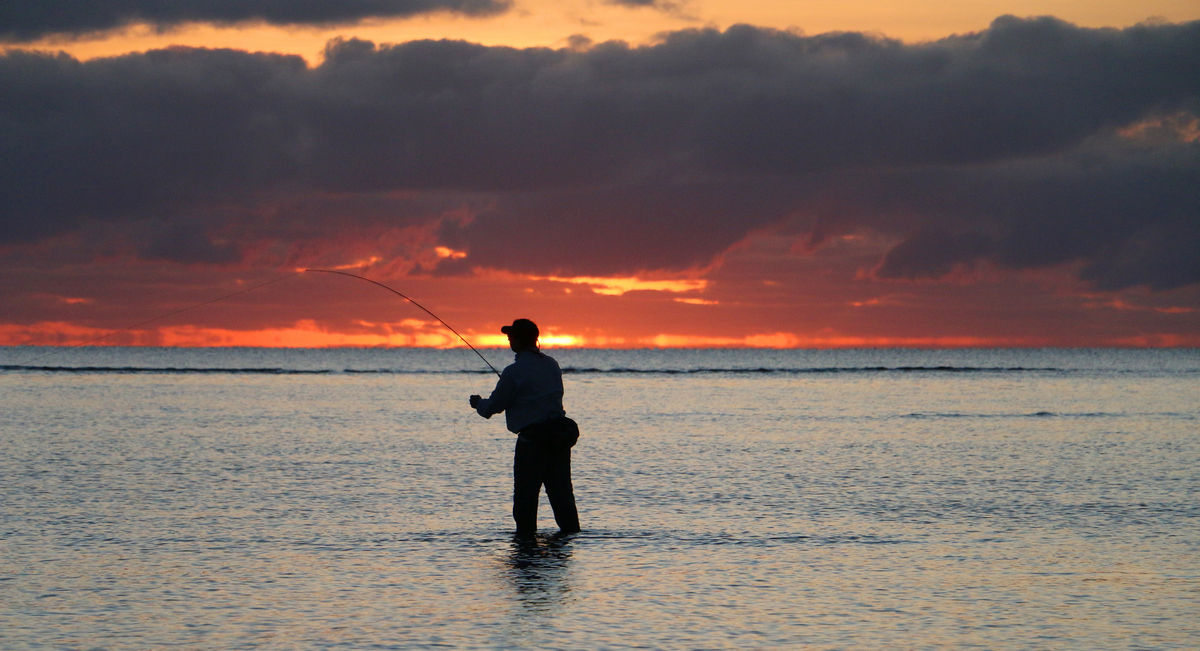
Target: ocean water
349, 499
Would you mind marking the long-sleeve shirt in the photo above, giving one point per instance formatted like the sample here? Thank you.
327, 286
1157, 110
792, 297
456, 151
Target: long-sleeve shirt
530, 391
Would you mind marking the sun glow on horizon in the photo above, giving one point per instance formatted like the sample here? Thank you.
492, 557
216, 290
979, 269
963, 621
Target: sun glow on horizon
422, 334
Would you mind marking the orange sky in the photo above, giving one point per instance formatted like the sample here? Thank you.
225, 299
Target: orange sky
550, 23
775, 284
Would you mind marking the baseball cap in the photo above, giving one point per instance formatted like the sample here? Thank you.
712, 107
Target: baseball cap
521, 329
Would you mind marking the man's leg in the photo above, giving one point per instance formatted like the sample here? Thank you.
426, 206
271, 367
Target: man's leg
559, 489
527, 483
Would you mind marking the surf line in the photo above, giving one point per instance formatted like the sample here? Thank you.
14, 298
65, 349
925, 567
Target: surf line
250, 289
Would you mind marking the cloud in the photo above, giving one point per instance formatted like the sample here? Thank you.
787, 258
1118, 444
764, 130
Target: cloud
28, 21
1129, 212
186, 241
620, 230
1012, 145
666, 6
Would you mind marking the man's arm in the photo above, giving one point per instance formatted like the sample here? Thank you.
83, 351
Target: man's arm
502, 396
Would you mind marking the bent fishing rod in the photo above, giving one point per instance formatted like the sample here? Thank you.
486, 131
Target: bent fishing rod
269, 282
423, 309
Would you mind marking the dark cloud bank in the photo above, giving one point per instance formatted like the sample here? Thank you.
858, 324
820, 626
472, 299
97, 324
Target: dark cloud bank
1011, 146
33, 19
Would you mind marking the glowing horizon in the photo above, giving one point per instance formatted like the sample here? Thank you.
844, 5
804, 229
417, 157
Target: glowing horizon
306, 334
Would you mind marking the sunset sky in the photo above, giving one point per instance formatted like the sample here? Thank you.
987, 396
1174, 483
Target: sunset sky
624, 172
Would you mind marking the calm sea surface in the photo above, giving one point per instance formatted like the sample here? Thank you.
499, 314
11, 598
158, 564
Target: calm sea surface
309, 499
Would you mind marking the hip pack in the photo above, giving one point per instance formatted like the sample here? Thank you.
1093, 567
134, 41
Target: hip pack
561, 432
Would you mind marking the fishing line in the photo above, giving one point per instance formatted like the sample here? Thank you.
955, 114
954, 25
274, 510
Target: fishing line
249, 289
423, 308
158, 318
458, 422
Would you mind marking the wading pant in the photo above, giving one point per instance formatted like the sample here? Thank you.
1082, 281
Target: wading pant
536, 464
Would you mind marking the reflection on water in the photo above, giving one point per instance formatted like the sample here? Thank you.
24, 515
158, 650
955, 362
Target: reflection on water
538, 568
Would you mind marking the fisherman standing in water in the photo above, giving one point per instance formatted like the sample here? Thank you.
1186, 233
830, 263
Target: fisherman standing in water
530, 394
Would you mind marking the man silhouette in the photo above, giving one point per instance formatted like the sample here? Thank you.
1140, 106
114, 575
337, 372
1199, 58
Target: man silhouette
530, 392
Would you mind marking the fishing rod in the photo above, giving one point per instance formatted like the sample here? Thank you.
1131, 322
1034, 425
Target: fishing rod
248, 289
423, 308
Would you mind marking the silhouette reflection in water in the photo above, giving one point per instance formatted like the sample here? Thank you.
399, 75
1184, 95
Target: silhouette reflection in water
538, 567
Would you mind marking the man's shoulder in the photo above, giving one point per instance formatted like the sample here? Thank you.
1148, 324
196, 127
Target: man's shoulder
532, 361
538, 363
522, 363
